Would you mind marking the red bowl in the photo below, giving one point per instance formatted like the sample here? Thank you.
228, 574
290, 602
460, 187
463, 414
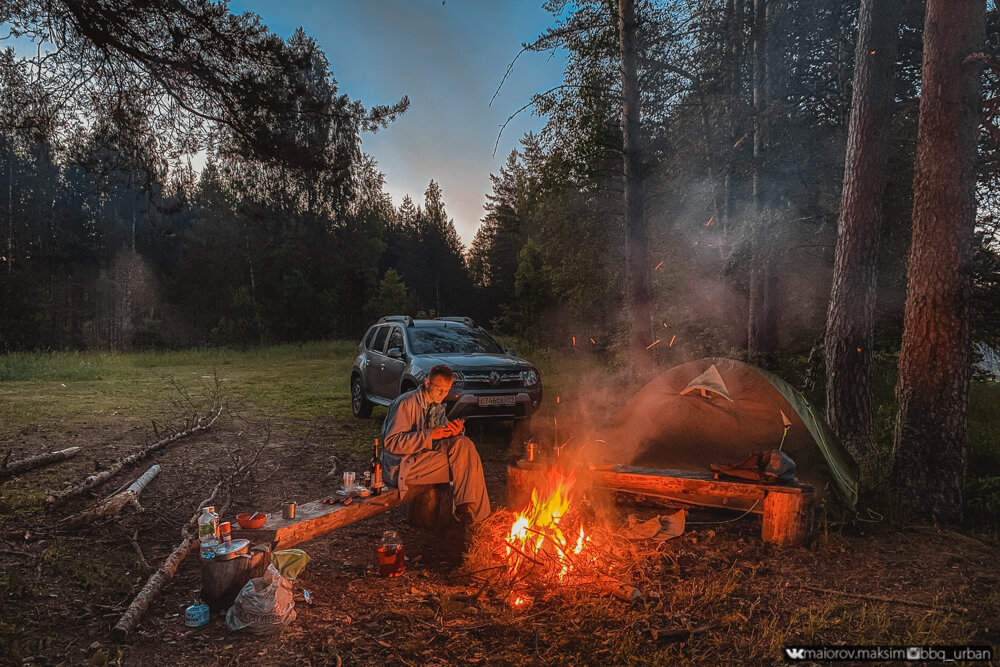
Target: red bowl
245, 522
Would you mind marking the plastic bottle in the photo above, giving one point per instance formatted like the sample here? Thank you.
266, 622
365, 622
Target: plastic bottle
208, 531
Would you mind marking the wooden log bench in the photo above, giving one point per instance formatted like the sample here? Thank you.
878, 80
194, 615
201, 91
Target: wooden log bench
430, 504
786, 509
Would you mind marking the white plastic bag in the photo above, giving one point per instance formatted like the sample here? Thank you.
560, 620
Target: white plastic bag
264, 605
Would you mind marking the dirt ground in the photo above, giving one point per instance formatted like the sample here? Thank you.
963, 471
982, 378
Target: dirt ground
62, 591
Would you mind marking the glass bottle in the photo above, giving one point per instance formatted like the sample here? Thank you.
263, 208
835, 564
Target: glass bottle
376, 472
391, 557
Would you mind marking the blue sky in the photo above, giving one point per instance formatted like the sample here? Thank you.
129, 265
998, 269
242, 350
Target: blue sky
449, 58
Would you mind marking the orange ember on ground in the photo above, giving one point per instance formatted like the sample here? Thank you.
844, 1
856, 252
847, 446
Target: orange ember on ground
658, 266
710, 221
655, 342
672, 339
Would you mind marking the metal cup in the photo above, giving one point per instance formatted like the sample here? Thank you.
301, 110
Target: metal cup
288, 510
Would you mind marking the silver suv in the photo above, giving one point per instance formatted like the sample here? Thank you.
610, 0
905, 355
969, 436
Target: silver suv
396, 353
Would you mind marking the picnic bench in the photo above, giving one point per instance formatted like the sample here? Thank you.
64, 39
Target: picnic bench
429, 505
786, 509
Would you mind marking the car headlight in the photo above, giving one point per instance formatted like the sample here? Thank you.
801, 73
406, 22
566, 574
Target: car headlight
529, 377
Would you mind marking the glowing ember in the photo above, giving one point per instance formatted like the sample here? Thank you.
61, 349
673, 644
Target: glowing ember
593, 342
672, 339
574, 341
658, 266
654, 343
539, 539
710, 221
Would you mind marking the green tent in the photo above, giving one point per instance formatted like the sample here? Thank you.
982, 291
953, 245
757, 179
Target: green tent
717, 410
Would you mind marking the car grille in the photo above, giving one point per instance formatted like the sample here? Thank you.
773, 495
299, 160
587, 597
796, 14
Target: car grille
482, 379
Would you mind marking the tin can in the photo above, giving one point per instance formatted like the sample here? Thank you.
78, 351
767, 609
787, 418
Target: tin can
529, 451
288, 510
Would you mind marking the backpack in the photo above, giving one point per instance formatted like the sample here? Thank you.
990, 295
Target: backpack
773, 467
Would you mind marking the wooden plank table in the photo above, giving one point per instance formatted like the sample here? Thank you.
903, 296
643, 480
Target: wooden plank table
787, 509
315, 519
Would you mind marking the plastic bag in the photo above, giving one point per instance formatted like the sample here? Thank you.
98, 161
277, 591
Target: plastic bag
264, 605
290, 562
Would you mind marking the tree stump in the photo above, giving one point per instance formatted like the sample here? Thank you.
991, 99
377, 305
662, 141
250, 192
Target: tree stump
430, 505
523, 477
222, 580
788, 518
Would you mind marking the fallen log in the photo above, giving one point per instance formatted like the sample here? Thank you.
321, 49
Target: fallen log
156, 582
114, 505
56, 498
30, 463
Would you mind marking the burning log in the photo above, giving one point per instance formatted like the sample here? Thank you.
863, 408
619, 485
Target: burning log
56, 498
114, 505
32, 462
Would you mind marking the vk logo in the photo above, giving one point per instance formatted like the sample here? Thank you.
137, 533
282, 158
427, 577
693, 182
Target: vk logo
795, 653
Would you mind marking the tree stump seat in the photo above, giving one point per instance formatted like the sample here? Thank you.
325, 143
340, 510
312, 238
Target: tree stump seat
787, 509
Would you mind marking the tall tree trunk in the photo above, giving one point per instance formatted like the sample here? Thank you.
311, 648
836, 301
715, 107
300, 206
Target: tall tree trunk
933, 389
638, 287
762, 326
851, 312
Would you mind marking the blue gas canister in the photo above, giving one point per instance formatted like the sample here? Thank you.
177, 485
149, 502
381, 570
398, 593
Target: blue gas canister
196, 615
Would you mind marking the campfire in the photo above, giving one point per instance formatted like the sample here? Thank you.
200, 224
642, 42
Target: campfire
543, 536
558, 542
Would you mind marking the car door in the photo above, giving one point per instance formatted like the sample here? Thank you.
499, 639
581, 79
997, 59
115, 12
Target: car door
376, 359
392, 366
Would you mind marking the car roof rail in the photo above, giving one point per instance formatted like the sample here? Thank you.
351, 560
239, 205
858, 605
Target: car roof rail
467, 321
398, 318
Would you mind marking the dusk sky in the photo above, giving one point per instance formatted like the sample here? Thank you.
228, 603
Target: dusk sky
448, 57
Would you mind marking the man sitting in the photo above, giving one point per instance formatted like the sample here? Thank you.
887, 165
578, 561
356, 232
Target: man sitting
420, 446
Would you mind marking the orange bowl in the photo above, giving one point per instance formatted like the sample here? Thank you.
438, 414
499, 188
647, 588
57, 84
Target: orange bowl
245, 521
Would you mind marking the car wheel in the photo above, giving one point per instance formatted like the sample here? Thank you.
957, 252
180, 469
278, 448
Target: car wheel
360, 405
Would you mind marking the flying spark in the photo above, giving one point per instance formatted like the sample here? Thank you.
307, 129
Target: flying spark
652, 344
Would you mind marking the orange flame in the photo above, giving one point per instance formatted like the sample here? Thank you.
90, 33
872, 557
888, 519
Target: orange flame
537, 537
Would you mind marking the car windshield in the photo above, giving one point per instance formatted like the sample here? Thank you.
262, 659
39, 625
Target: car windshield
451, 340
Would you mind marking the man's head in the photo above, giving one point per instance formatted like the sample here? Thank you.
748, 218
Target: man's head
438, 382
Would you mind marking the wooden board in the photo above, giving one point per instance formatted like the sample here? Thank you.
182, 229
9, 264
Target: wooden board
315, 519
786, 508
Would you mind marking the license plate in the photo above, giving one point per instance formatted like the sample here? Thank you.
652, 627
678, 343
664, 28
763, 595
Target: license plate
491, 401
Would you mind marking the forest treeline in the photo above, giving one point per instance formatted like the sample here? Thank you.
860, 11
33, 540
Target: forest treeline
110, 240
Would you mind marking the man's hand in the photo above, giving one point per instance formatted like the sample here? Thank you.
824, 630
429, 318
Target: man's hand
449, 430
